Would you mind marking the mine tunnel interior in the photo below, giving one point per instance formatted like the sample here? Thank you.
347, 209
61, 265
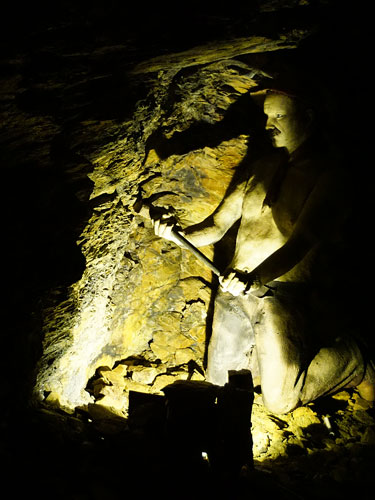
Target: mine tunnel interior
102, 316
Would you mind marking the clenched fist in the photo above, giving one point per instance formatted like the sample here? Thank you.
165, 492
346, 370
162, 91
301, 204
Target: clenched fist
164, 224
237, 282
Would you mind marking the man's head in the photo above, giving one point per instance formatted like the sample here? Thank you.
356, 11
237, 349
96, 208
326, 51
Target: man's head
289, 121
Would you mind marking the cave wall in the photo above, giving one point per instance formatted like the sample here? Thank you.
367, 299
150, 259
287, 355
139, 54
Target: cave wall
139, 296
107, 306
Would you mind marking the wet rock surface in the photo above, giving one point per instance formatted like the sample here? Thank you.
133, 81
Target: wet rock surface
97, 305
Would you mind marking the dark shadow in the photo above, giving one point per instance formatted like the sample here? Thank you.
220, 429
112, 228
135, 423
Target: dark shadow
329, 474
162, 443
47, 212
243, 117
328, 405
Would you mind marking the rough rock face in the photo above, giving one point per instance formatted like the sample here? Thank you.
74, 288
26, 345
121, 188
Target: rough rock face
139, 300
112, 307
139, 296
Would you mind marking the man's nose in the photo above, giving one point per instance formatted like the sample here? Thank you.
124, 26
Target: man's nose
269, 124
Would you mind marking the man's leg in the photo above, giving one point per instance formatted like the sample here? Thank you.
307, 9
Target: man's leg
336, 366
297, 364
232, 342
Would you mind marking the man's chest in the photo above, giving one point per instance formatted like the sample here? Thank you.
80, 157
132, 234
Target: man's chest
293, 194
280, 196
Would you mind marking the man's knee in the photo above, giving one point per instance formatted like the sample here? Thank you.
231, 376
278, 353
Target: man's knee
283, 394
280, 405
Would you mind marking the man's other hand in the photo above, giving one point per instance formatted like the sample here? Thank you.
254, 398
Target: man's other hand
236, 282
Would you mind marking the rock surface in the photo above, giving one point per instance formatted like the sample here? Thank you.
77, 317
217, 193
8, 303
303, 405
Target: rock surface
139, 295
99, 306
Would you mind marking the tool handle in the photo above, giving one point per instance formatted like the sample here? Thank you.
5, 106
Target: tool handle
185, 243
143, 209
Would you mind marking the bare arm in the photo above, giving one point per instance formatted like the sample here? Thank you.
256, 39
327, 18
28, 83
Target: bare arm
213, 228
322, 216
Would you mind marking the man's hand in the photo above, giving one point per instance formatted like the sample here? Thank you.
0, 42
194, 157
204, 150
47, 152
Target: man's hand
237, 282
164, 224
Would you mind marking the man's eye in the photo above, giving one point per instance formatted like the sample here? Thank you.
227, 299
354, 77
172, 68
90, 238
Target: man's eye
279, 115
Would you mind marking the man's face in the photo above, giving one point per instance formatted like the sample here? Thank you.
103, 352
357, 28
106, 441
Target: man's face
284, 123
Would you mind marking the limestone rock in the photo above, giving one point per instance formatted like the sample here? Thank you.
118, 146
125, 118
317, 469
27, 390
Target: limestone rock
146, 375
305, 416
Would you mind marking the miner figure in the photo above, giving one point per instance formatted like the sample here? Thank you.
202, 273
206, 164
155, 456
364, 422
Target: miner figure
292, 208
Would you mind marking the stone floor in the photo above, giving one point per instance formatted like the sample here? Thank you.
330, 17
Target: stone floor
325, 450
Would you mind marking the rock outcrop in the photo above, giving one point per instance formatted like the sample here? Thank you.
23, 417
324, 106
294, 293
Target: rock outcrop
96, 114
139, 296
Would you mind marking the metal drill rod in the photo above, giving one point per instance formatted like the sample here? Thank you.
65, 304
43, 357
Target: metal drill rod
185, 243
144, 210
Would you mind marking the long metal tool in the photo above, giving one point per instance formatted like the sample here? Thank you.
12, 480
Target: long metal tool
185, 243
260, 292
142, 207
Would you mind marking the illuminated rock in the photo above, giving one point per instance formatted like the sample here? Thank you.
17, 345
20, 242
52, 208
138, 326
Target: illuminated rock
139, 295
